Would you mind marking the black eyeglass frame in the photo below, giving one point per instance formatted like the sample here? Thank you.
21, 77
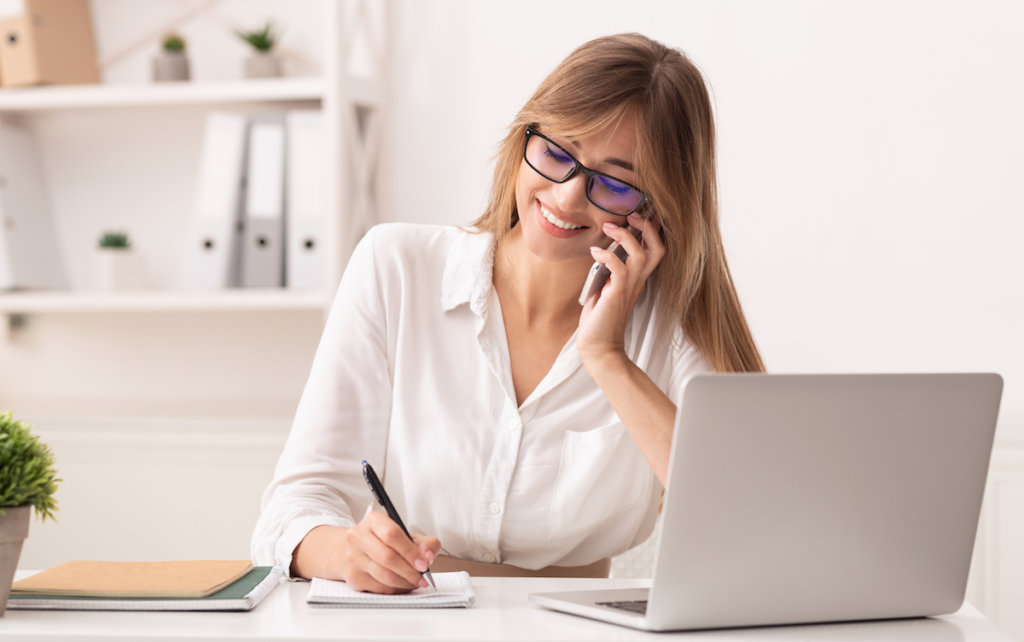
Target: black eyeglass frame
579, 167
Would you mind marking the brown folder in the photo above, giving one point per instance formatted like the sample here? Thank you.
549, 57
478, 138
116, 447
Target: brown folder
179, 579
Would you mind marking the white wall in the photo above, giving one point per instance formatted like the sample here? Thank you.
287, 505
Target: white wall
870, 160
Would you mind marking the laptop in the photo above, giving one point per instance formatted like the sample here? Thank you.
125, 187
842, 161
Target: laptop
795, 499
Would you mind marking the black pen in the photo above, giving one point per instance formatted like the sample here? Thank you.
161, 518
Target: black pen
378, 491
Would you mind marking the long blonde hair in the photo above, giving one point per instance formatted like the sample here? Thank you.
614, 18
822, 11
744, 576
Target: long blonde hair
675, 131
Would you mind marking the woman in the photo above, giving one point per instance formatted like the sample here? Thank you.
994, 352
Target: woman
526, 432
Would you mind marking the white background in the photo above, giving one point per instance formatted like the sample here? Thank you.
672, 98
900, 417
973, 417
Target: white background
871, 157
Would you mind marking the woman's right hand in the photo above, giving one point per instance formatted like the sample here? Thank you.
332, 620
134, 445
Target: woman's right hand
374, 555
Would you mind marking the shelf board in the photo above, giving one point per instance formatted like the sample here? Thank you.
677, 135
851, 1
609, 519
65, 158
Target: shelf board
157, 94
163, 301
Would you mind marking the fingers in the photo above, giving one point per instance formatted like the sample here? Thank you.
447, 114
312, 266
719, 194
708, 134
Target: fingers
367, 575
376, 555
643, 254
651, 235
396, 560
429, 546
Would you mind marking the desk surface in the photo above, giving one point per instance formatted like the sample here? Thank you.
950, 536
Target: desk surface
503, 613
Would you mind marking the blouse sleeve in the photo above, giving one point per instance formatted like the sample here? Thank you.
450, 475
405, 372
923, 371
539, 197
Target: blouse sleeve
342, 419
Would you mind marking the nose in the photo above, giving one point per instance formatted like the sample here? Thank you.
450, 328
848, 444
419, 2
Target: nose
571, 196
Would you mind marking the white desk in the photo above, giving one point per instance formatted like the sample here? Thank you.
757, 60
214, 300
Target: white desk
503, 613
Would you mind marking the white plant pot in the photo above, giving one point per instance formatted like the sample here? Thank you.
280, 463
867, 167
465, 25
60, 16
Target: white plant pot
170, 67
13, 531
262, 65
117, 269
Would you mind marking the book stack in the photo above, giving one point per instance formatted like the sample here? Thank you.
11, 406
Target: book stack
201, 585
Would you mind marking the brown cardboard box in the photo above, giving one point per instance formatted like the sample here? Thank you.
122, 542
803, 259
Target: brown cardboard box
52, 43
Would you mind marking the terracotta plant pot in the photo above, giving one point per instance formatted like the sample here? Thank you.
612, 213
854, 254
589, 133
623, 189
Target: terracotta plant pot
13, 531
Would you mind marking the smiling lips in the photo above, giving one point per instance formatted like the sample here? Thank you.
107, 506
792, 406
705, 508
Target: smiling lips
556, 226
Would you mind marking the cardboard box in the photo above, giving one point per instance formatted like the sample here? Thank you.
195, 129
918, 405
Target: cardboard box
50, 44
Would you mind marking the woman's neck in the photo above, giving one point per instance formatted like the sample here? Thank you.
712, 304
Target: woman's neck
541, 292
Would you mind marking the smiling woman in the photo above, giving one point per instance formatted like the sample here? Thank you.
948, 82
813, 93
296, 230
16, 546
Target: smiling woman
663, 97
462, 360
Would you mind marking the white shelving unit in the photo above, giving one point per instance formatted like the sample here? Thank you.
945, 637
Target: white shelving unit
23, 102
172, 405
162, 301
352, 107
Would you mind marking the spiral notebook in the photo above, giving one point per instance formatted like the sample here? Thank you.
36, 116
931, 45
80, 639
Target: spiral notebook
453, 591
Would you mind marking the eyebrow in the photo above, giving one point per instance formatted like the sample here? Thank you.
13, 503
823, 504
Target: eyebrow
624, 164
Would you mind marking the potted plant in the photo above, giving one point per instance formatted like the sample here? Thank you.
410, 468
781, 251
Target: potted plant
262, 63
117, 265
171, 63
27, 480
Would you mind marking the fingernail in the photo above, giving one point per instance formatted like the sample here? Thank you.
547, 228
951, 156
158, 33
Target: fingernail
421, 566
595, 251
430, 557
423, 583
609, 225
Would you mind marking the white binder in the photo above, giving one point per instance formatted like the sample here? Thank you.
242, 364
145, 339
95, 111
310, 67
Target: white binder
30, 254
213, 254
306, 194
263, 238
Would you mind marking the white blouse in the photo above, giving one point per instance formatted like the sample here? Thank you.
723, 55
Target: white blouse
412, 374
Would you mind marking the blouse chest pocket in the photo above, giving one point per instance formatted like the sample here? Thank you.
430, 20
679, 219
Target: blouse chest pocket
601, 474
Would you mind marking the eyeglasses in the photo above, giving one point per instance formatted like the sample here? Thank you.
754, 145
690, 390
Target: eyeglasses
557, 165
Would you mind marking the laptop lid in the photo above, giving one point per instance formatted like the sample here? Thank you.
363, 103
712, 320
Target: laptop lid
813, 498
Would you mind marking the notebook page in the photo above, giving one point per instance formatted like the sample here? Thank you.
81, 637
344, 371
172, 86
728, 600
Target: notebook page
453, 591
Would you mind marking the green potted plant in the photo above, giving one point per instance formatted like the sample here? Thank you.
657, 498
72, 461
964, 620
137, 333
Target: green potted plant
171, 62
262, 63
28, 480
118, 267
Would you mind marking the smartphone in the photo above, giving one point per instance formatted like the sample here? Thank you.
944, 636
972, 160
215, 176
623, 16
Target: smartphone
599, 274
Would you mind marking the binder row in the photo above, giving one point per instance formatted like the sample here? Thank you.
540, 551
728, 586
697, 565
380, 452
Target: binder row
260, 217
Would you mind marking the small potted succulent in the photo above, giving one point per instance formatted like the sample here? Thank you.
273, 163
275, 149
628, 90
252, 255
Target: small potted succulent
262, 63
171, 63
28, 480
117, 265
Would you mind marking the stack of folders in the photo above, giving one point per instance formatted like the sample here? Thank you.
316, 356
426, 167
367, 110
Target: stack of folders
147, 586
260, 213
454, 590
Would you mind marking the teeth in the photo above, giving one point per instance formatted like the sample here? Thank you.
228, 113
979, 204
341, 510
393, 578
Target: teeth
557, 222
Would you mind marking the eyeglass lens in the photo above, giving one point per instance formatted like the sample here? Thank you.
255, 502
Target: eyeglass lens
555, 164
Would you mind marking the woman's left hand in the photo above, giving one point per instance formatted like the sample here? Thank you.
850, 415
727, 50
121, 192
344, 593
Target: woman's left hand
603, 321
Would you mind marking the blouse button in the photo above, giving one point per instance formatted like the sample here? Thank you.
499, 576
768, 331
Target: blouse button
494, 508
490, 558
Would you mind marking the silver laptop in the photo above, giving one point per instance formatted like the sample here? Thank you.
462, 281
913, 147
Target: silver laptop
813, 498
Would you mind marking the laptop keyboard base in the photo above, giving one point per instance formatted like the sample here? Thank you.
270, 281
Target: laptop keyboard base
634, 606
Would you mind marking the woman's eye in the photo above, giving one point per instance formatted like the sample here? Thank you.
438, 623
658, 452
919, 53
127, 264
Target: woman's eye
557, 154
613, 186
